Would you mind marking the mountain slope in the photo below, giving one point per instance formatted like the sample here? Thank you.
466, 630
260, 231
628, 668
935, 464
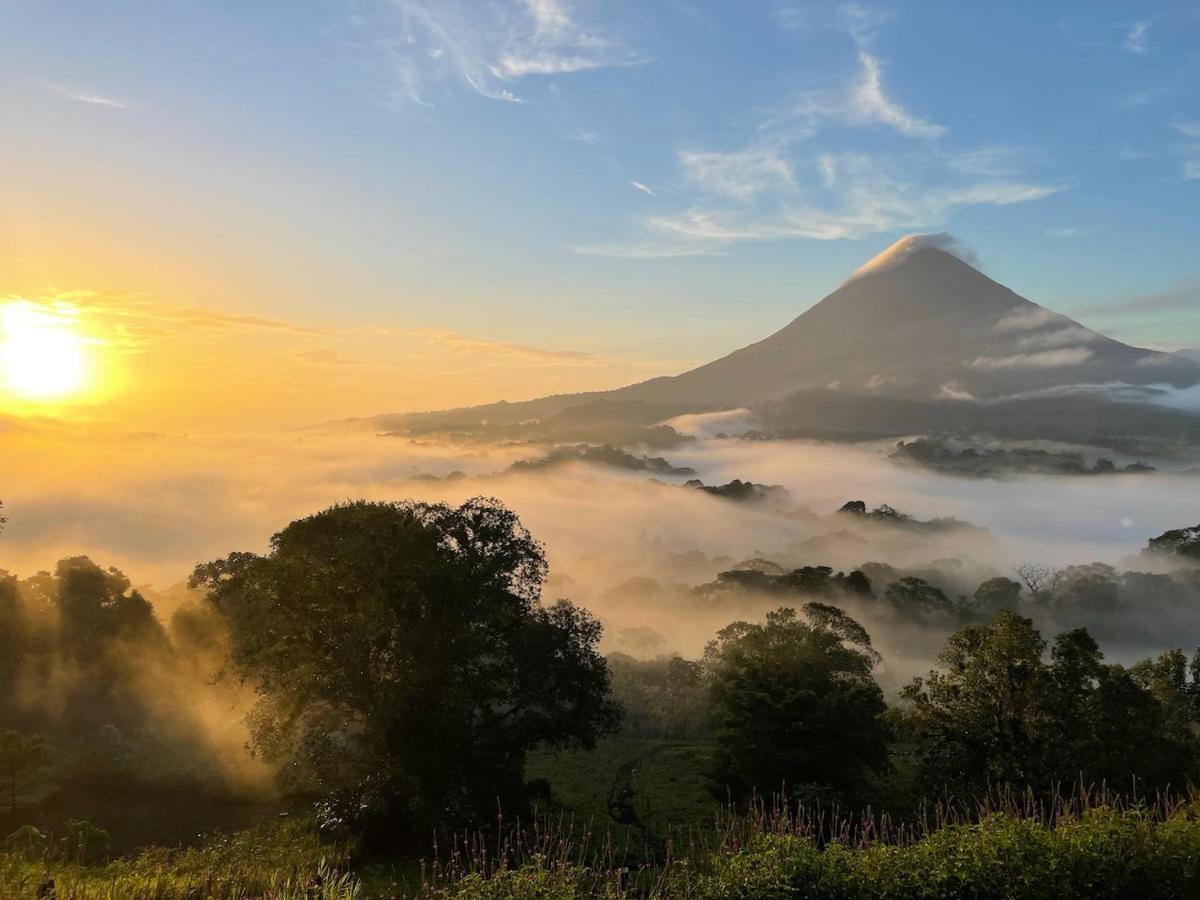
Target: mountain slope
918, 322
915, 341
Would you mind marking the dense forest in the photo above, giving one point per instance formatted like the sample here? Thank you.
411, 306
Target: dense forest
389, 679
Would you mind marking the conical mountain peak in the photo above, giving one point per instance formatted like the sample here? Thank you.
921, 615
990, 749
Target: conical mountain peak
904, 250
919, 321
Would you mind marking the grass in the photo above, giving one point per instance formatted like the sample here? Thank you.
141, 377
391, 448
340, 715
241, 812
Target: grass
1091, 846
279, 862
665, 781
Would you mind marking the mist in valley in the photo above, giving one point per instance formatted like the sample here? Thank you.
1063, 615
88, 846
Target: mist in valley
629, 545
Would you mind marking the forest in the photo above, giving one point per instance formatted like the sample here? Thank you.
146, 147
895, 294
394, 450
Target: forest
389, 703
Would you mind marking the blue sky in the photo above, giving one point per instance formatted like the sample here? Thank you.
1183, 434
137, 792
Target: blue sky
661, 180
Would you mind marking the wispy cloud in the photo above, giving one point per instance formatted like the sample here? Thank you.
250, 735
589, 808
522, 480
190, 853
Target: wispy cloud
1184, 296
490, 47
461, 343
1137, 39
644, 188
87, 97
1068, 336
786, 182
654, 248
1189, 152
1048, 359
740, 174
1027, 319
871, 104
136, 324
1070, 231
827, 197
863, 102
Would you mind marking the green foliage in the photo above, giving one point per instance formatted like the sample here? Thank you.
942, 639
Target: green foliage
280, 862
665, 783
995, 712
1099, 853
795, 704
918, 600
662, 698
402, 655
997, 594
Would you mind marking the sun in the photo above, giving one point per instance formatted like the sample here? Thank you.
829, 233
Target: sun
43, 355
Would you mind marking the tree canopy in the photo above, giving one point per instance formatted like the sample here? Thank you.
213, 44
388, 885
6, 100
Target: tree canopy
795, 704
402, 655
995, 711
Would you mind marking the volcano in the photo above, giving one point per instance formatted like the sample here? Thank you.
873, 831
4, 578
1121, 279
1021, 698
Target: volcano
918, 339
920, 323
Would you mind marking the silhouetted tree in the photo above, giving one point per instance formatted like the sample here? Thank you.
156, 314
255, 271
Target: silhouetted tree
1090, 589
401, 653
996, 594
917, 599
1182, 544
1041, 581
794, 703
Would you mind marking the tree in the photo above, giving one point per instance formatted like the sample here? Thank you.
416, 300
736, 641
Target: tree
1181, 545
1042, 582
1089, 589
661, 698
916, 598
995, 712
22, 757
996, 594
96, 608
795, 704
402, 656
979, 715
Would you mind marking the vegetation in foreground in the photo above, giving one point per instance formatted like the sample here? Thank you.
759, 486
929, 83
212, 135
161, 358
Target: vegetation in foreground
280, 862
408, 682
1089, 847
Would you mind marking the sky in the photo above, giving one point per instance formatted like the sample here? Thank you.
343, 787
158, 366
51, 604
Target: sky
288, 211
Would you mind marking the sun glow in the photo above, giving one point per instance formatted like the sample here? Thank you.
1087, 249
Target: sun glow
43, 353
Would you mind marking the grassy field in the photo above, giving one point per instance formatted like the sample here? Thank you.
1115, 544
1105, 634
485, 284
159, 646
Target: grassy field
1092, 849
604, 835
636, 788
280, 861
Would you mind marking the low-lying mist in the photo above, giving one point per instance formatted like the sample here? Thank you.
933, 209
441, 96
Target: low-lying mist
154, 505
640, 543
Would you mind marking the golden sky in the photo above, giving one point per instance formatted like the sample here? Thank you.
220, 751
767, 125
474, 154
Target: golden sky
133, 361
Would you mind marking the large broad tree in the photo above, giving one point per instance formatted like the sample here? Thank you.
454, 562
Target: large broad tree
402, 656
795, 704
